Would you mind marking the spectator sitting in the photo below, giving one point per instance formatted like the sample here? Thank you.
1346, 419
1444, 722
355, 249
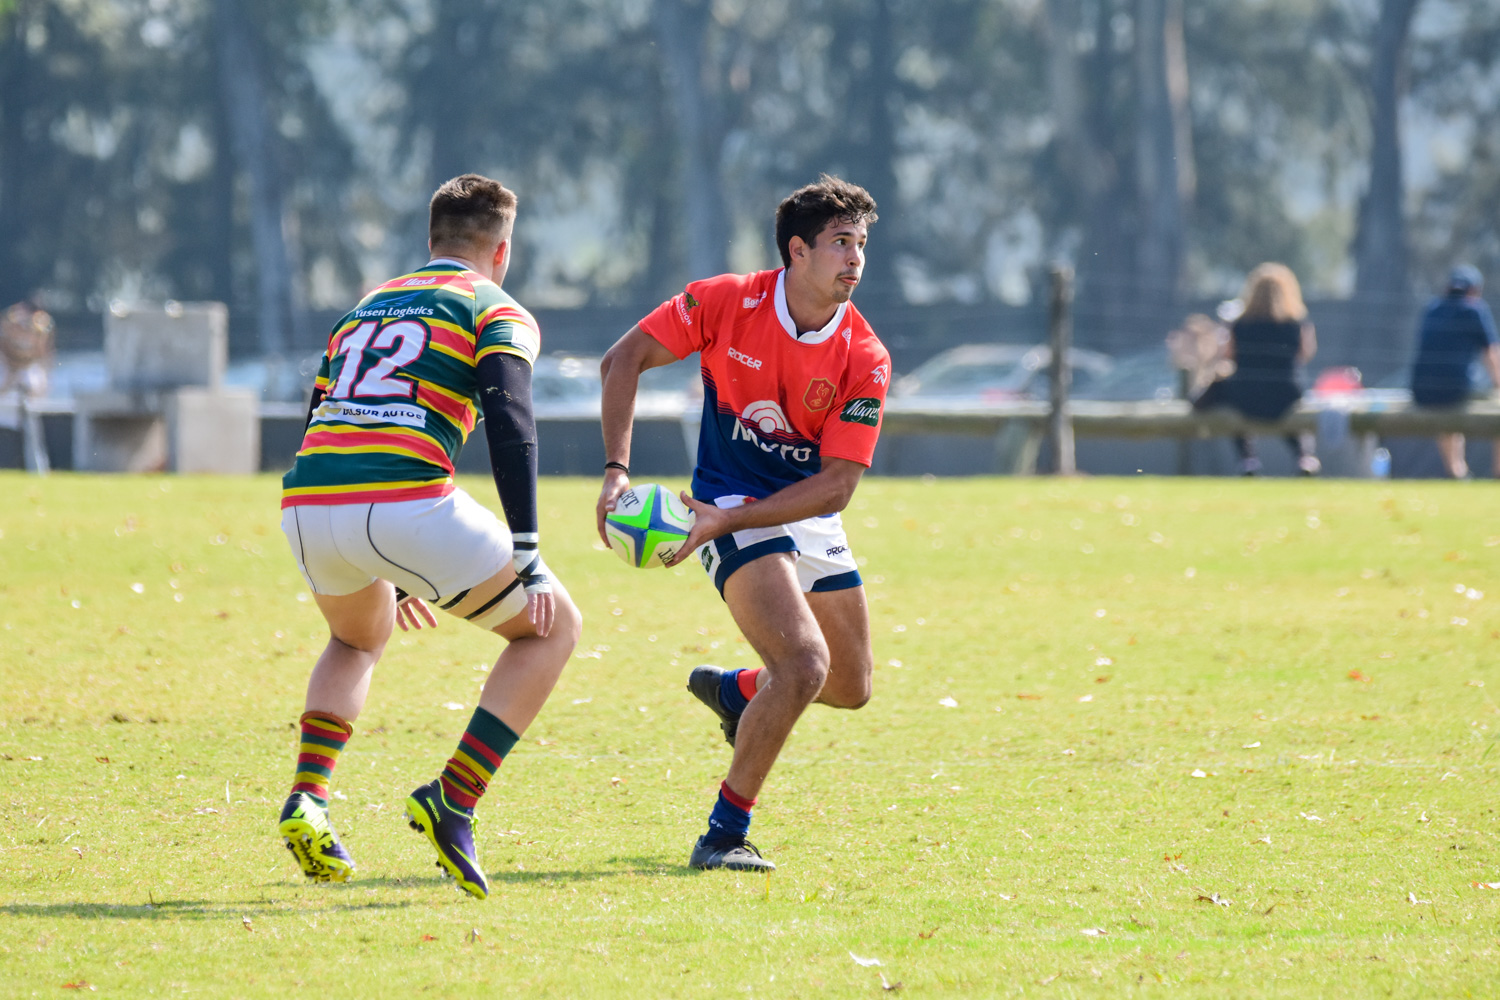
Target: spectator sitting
25, 349
1456, 327
1267, 341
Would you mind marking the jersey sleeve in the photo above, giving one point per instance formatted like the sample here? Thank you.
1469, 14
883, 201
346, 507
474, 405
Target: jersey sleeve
851, 432
682, 323
502, 326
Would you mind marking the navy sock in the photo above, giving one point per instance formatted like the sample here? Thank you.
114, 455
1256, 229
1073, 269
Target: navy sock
729, 692
730, 819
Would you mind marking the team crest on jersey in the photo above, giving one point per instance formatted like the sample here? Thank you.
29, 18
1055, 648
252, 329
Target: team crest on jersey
819, 394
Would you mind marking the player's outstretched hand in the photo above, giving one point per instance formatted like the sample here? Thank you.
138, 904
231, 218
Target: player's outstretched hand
541, 610
615, 483
411, 612
709, 522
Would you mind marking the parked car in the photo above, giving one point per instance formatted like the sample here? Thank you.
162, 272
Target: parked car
979, 374
1143, 375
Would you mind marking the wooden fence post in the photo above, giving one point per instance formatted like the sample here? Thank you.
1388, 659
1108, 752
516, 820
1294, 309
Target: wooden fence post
1060, 337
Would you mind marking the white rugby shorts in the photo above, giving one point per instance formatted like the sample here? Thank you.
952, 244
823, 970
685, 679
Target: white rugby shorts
434, 548
824, 561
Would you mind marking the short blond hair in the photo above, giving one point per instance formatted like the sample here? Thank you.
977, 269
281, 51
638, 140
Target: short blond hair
1271, 292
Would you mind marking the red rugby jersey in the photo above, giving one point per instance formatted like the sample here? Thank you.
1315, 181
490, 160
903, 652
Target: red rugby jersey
774, 404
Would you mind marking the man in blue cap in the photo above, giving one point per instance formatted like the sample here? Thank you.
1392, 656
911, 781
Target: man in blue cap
1456, 327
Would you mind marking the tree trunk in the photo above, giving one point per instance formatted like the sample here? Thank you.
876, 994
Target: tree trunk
682, 39
1381, 256
1163, 151
875, 161
15, 77
243, 92
456, 40
1080, 104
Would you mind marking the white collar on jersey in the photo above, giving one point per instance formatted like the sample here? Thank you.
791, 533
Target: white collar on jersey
446, 260
816, 336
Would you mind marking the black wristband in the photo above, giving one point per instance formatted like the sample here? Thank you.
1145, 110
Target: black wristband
618, 465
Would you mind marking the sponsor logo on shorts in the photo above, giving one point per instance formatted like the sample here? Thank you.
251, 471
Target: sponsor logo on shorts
819, 394
745, 359
837, 550
864, 410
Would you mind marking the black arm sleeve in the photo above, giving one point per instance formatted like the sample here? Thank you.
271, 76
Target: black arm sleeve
312, 407
510, 429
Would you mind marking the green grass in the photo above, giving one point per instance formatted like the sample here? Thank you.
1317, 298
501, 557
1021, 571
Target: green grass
1056, 662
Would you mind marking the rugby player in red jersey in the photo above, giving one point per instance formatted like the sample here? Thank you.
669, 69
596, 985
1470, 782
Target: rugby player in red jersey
794, 387
370, 502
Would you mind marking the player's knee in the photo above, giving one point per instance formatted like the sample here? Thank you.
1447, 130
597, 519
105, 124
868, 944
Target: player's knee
567, 623
805, 673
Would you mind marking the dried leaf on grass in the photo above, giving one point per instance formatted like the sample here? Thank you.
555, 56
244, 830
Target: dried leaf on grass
1214, 898
1359, 675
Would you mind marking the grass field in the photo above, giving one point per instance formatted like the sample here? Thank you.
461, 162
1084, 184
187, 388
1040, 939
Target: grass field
1129, 738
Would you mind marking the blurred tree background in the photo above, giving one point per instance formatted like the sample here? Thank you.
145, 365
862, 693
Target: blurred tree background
277, 154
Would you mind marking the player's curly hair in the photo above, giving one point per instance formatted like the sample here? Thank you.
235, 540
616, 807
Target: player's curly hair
807, 210
470, 210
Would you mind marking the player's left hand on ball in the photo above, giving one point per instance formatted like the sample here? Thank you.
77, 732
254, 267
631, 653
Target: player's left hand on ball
709, 522
412, 612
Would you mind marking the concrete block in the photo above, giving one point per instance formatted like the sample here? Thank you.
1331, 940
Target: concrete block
155, 346
119, 432
214, 431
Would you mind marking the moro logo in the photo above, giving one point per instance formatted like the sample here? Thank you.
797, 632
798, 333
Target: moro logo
767, 417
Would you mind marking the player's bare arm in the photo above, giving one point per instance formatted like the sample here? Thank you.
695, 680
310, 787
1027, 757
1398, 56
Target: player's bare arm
620, 373
827, 492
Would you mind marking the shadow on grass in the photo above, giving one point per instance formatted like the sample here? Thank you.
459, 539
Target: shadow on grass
177, 909
620, 867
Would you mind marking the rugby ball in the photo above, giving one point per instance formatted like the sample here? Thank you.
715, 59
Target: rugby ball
648, 525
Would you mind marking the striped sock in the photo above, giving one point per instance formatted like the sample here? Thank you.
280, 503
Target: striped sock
737, 688
323, 736
730, 820
480, 750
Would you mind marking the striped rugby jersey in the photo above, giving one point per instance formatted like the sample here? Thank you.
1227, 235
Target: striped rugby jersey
401, 386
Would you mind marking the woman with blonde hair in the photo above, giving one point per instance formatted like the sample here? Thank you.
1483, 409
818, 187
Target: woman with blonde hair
1269, 339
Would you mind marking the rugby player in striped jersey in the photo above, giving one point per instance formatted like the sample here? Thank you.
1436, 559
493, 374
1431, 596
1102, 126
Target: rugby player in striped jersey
377, 525
794, 384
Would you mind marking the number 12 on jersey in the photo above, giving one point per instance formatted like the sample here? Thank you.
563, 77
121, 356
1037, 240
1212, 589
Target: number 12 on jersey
359, 348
